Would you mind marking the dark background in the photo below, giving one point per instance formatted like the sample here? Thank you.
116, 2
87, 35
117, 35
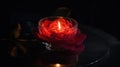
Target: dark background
101, 14
97, 13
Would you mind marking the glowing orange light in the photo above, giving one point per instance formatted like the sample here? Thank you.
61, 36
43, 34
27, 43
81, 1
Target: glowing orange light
59, 25
57, 65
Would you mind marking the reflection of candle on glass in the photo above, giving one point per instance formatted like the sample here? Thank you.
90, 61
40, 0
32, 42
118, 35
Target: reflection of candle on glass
58, 65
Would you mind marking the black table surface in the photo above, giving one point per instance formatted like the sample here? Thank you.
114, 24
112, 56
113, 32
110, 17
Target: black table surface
101, 50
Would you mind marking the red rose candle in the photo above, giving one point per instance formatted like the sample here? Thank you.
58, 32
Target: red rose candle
56, 28
61, 33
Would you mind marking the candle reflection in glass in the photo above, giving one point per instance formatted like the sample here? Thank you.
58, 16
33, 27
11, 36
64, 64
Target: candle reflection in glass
57, 65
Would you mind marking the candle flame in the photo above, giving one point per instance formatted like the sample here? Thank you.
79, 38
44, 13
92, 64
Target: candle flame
59, 25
